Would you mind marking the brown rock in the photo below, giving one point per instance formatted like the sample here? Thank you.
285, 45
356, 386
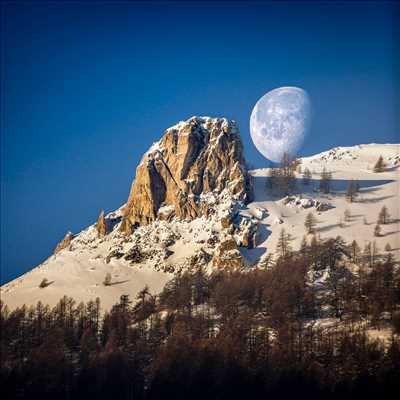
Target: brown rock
101, 225
197, 156
64, 243
126, 226
228, 255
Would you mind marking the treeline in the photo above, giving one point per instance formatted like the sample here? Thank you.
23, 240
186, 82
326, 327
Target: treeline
255, 334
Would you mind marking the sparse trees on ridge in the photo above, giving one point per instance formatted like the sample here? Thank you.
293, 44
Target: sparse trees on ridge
283, 178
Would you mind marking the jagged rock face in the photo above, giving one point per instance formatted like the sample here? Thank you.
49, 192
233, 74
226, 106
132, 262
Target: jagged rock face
228, 255
64, 243
194, 157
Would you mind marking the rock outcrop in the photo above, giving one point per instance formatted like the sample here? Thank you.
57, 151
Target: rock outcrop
194, 157
64, 243
227, 255
101, 225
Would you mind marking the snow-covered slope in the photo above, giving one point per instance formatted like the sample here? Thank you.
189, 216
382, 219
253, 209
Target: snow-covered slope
154, 252
345, 163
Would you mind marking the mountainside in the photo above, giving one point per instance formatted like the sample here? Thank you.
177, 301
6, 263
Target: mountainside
192, 204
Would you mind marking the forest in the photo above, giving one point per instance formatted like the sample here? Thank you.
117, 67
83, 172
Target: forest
296, 327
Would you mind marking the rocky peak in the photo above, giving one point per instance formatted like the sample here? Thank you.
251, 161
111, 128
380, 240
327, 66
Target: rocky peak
194, 157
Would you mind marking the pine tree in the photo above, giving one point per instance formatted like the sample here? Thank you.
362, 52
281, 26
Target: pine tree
388, 247
310, 222
380, 165
377, 230
384, 216
287, 181
351, 192
273, 178
355, 251
107, 280
307, 176
325, 181
44, 283
266, 261
283, 247
367, 254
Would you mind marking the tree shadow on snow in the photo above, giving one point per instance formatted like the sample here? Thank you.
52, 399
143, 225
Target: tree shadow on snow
338, 188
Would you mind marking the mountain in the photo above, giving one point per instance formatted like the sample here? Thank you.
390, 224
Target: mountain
193, 202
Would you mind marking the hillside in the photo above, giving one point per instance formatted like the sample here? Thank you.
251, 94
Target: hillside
223, 231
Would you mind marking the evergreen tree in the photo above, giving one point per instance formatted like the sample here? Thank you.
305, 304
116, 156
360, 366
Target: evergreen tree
380, 165
325, 182
283, 247
355, 251
351, 192
107, 279
310, 222
307, 176
384, 216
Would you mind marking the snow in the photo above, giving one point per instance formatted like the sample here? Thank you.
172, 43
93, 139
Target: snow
79, 272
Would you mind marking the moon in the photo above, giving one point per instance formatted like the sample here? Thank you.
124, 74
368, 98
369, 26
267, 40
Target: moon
279, 122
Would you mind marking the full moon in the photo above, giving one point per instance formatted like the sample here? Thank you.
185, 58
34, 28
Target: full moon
279, 122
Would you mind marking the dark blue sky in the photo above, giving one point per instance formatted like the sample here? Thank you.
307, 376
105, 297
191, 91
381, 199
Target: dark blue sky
87, 87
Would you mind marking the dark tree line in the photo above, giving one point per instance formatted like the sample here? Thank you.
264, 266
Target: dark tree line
226, 335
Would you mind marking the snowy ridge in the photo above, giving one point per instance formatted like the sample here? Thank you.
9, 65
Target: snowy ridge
153, 253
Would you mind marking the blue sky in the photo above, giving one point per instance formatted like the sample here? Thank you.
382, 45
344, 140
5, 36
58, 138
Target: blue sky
87, 87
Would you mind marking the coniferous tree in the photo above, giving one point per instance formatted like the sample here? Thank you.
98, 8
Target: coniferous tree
384, 216
310, 222
107, 279
355, 251
351, 192
307, 176
283, 247
380, 165
325, 182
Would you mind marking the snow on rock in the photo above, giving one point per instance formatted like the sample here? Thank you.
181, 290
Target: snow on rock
194, 157
223, 225
301, 202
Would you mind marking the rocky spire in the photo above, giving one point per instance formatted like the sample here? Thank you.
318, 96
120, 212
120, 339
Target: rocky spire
194, 157
101, 225
64, 243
